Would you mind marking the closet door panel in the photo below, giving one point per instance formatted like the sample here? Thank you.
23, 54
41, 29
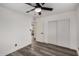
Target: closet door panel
52, 32
63, 33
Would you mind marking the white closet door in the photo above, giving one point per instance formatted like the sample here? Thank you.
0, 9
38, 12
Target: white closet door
63, 32
52, 32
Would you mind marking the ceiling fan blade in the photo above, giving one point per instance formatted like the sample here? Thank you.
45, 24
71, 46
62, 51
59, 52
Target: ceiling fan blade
30, 4
38, 4
46, 8
30, 10
39, 13
42, 3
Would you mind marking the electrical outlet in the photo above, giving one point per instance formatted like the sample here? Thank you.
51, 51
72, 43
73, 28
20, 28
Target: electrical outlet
15, 45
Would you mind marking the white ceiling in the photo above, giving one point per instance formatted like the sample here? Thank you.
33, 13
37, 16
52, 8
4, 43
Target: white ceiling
58, 7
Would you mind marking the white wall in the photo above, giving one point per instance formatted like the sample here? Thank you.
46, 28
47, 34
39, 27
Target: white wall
14, 29
42, 26
77, 12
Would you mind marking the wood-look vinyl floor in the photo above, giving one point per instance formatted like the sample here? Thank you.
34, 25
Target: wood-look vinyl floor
42, 49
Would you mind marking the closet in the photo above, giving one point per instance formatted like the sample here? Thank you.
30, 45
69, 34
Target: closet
59, 32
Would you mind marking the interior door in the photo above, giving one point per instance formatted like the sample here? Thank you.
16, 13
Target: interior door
52, 32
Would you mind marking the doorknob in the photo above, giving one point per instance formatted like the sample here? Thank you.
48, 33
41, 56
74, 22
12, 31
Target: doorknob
42, 33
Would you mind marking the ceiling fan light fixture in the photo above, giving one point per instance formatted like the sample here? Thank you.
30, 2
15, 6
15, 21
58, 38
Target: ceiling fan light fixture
38, 10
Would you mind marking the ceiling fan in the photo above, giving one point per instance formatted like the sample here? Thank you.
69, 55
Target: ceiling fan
38, 7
